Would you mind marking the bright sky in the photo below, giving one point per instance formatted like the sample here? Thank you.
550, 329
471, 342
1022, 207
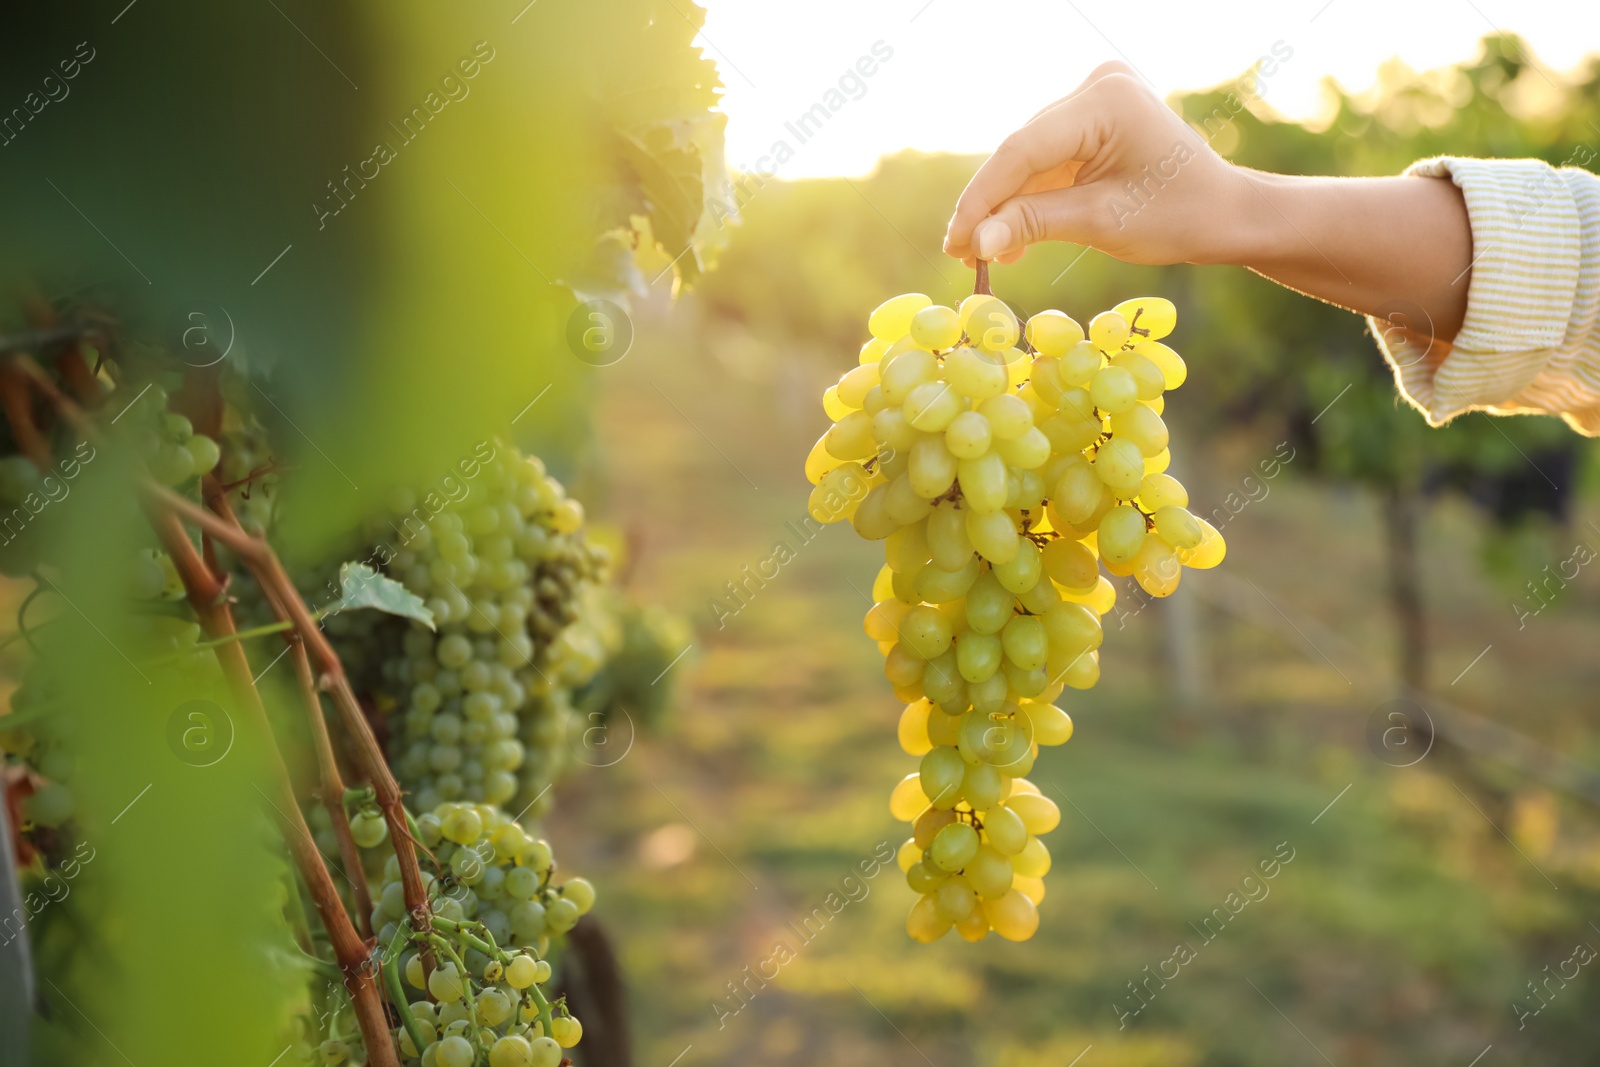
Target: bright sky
964, 73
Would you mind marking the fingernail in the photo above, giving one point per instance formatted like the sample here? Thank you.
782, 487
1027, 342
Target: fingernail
992, 237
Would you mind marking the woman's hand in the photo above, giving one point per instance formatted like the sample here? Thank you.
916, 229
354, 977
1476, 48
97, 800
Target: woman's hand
1113, 167
1109, 166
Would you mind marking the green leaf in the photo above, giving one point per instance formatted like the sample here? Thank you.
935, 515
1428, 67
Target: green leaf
362, 587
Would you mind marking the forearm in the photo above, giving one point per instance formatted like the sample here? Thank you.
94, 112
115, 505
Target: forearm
1372, 245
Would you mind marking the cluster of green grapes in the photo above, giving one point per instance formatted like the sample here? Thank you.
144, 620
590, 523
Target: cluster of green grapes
1003, 465
165, 440
495, 907
481, 705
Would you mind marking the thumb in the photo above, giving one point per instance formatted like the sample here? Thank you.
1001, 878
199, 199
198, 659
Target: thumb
1056, 215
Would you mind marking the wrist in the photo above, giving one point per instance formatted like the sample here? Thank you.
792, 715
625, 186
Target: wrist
1252, 229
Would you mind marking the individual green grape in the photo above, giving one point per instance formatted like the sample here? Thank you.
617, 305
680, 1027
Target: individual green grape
990, 324
1143, 427
1120, 465
1113, 390
940, 775
932, 467
1080, 490
50, 805
1034, 859
203, 453
891, 319
988, 604
989, 873
943, 683
993, 535
968, 436
930, 407
926, 631
1052, 333
974, 374
925, 924
1149, 317
982, 481
1005, 830
954, 846
1028, 450
936, 327
1025, 642
368, 828
948, 543
978, 656
1043, 595
580, 891
1209, 552
445, 983
511, 1051
1072, 628
1121, 534
1157, 491
454, 1052
906, 550
955, 900
1013, 916
854, 385
1173, 370
905, 372
1051, 725
566, 1030
1069, 564
1108, 331
1022, 571
871, 519
1009, 417
1039, 814
1177, 527
938, 586
1157, 567
851, 437
982, 786
1149, 382
520, 972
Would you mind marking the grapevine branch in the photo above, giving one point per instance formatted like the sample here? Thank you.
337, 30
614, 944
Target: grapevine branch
257, 555
205, 595
331, 783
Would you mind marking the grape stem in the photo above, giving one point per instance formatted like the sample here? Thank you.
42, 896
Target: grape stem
205, 594
397, 997
494, 952
980, 285
331, 784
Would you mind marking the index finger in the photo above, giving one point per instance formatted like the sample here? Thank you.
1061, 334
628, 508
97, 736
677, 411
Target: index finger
1067, 132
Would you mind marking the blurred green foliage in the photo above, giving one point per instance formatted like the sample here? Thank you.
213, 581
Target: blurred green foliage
385, 214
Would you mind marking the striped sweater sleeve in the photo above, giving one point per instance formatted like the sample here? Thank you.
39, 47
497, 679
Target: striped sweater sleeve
1531, 339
